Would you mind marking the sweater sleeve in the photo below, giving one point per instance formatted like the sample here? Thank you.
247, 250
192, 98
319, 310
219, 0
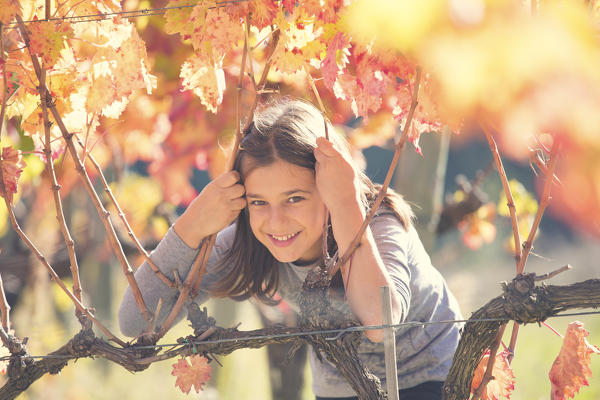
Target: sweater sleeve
172, 256
392, 241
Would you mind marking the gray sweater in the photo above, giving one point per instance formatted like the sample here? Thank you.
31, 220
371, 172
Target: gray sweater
424, 353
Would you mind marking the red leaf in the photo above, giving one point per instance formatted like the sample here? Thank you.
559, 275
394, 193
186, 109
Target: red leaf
366, 87
196, 374
289, 5
329, 65
12, 166
504, 378
263, 12
572, 366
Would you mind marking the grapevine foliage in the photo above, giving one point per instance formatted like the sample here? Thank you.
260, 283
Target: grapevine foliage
503, 383
194, 373
112, 92
571, 369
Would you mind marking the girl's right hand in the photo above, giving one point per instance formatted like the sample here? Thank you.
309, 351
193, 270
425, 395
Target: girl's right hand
213, 209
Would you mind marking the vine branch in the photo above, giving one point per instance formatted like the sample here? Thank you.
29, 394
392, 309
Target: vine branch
509, 197
399, 146
123, 218
528, 244
487, 376
104, 215
4, 308
46, 99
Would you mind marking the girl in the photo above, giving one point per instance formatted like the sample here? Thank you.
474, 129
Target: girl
286, 175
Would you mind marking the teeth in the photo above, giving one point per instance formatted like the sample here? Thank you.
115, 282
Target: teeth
282, 238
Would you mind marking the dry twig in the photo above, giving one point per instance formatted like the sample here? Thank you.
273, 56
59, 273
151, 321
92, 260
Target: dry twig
123, 218
104, 215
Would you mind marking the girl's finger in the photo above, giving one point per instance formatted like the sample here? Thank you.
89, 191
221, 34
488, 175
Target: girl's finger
326, 147
228, 179
238, 204
235, 191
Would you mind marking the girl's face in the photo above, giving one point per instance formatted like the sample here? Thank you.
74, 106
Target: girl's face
286, 210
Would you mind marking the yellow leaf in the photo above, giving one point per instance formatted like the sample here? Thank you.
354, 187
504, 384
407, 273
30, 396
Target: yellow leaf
204, 80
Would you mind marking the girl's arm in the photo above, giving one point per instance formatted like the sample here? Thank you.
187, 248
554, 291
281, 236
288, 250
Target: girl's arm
365, 272
212, 210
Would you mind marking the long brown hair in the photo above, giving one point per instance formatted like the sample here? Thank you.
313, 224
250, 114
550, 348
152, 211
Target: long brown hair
285, 130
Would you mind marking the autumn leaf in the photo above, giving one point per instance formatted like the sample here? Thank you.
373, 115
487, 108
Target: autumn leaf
335, 58
115, 81
219, 27
12, 166
8, 11
178, 18
48, 39
504, 379
195, 374
297, 44
262, 12
289, 5
204, 80
326, 11
571, 369
366, 87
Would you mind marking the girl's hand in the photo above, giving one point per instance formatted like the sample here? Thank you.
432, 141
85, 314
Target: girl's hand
336, 178
213, 209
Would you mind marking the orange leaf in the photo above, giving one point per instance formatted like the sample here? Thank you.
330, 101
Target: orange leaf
504, 378
571, 368
219, 26
12, 166
48, 39
9, 11
196, 374
263, 12
298, 43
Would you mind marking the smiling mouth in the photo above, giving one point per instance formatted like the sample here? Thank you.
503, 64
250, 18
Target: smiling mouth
284, 237
283, 240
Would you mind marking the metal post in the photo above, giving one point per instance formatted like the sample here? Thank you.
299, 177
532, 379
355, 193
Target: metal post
389, 345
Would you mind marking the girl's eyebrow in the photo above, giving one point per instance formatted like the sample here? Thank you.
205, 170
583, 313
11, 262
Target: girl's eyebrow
287, 193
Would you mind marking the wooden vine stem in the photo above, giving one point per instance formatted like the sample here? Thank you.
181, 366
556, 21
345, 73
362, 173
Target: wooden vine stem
53, 274
123, 218
4, 308
104, 215
324, 241
487, 376
522, 302
60, 216
399, 146
192, 282
509, 197
527, 245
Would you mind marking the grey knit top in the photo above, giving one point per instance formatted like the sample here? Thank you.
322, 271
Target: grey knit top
424, 353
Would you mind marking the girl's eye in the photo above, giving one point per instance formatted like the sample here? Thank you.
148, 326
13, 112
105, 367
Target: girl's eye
295, 199
258, 203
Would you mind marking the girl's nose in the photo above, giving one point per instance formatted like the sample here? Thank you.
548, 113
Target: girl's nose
277, 218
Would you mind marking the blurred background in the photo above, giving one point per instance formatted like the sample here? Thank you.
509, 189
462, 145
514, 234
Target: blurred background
165, 146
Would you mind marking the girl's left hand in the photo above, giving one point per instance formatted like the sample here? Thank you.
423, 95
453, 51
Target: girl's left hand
336, 178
